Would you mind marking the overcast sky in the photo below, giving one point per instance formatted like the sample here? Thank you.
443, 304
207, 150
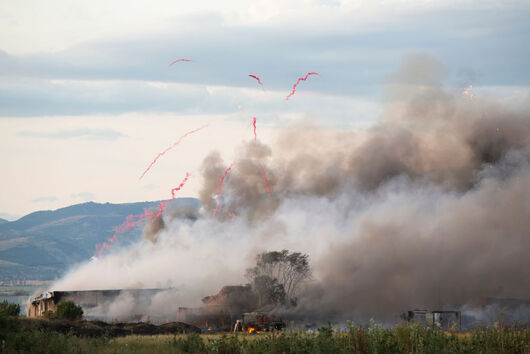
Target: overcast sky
87, 96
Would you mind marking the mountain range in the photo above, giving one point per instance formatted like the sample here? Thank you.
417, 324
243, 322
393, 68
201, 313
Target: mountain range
44, 244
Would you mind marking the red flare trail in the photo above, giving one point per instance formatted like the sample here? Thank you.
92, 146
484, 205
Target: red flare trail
162, 205
134, 220
298, 81
130, 222
219, 190
265, 177
171, 147
262, 170
179, 60
259, 81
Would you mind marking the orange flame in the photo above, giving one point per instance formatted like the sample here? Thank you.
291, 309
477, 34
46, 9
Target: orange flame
251, 330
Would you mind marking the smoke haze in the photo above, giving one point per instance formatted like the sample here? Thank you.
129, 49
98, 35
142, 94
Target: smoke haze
430, 208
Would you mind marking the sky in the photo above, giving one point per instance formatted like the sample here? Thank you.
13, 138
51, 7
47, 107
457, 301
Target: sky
88, 98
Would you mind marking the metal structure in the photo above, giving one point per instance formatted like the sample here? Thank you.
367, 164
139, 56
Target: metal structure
436, 319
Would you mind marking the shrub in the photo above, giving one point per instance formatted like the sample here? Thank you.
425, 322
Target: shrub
9, 309
69, 311
8, 325
49, 314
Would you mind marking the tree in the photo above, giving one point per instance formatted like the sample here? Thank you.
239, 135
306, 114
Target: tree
269, 291
286, 268
69, 310
9, 309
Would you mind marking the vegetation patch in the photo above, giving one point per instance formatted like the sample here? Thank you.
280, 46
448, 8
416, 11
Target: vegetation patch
40, 336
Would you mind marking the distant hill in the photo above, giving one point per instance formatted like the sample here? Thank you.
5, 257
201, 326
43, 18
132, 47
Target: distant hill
42, 245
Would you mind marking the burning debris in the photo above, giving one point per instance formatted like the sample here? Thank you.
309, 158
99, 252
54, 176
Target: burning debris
223, 310
259, 322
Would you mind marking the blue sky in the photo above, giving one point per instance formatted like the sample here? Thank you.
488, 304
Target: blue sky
87, 96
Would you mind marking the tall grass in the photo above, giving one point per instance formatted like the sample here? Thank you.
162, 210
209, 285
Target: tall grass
373, 338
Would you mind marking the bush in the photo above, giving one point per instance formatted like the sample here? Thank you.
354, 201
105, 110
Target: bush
9, 309
8, 325
49, 314
69, 310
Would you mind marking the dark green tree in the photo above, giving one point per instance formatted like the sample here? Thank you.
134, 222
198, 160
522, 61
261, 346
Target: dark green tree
9, 309
279, 269
269, 291
69, 311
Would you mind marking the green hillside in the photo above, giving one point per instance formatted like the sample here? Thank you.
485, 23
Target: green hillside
43, 244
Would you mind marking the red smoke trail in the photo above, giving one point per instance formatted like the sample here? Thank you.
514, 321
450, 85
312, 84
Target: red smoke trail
265, 177
130, 222
259, 81
134, 220
254, 125
298, 81
176, 61
162, 205
262, 170
171, 147
219, 191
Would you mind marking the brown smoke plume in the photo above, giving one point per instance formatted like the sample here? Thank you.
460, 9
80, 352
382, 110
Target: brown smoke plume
430, 207
445, 183
154, 227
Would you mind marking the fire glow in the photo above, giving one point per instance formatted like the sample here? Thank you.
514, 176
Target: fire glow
252, 330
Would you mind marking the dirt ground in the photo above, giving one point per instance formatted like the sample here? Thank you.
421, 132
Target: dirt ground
98, 328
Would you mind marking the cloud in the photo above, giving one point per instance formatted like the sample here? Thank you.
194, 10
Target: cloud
62, 26
85, 196
75, 97
83, 133
45, 199
352, 59
132, 73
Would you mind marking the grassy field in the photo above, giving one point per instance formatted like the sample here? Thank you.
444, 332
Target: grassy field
356, 339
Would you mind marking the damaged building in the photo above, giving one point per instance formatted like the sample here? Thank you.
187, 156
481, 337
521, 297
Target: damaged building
221, 311
88, 299
232, 305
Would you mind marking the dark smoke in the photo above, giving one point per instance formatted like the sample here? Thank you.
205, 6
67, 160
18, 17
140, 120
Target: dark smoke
153, 227
447, 181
